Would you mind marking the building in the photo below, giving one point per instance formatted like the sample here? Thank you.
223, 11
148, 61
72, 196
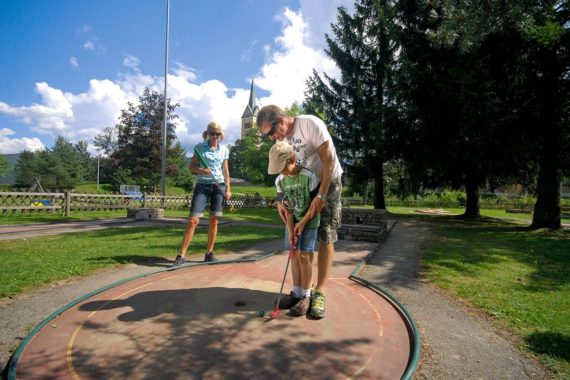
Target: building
250, 114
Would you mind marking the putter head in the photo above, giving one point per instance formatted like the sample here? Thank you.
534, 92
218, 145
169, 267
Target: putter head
275, 313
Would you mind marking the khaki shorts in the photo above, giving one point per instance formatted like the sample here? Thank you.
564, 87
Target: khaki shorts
331, 213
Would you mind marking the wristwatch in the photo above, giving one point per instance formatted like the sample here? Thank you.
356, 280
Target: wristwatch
320, 196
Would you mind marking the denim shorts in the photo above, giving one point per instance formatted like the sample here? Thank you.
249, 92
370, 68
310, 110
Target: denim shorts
331, 213
306, 241
205, 193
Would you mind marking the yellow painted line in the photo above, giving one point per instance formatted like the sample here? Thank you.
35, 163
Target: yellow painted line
69, 352
378, 316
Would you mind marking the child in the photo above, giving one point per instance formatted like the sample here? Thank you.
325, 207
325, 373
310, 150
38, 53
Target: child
296, 187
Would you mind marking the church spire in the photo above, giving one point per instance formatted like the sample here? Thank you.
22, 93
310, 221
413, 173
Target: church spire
250, 113
251, 108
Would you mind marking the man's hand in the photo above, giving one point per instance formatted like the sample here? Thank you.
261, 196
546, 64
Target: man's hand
316, 207
228, 195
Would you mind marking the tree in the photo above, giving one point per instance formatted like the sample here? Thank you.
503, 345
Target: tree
62, 166
135, 145
249, 158
4, 166
541, 72
359, 107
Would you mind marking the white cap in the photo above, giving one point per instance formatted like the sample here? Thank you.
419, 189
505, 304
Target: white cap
279, 155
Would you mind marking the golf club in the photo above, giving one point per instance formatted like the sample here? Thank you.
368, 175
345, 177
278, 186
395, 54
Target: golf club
275, 313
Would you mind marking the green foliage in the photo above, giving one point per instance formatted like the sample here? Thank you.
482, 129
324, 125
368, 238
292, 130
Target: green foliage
62, 167
4, 166
358, 106
135, 144
249, 158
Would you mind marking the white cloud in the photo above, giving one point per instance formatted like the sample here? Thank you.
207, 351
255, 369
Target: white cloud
291, 64
16, 145
131, 61
74, 62
319, 18
95, 46
83, 115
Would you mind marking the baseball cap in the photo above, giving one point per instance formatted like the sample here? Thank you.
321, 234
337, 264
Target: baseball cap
279, 154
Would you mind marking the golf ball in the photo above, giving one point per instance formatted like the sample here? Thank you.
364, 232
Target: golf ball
261, 314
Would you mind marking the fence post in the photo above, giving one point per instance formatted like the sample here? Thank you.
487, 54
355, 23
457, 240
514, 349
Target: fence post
67, 203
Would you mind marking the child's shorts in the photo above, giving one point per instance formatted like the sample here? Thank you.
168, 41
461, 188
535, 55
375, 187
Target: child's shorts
306, 241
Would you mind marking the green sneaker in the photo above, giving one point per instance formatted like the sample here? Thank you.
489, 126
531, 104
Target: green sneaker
318, 304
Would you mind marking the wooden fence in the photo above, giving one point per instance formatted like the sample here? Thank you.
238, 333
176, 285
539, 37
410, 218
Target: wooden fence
67, 202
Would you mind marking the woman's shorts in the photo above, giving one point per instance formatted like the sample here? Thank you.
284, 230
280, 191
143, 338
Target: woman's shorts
205, 193
306, 242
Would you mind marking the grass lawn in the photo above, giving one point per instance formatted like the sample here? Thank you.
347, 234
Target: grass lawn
28, 263
498, 214
518, 276
260, 215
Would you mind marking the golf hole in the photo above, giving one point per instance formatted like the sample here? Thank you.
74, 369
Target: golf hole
240, 303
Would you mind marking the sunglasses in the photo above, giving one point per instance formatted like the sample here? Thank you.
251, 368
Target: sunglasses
271, 132
214, 134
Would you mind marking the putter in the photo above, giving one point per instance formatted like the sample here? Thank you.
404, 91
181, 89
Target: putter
275, 313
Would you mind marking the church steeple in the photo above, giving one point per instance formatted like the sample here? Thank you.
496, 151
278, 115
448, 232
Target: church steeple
250, 113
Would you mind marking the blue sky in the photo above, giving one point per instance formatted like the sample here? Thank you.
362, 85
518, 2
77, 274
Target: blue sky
69, 66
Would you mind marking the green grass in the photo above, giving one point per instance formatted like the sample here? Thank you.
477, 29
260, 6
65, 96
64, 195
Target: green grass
29, 263
520, 277
251, 190
260, 215
91, 188
498, 214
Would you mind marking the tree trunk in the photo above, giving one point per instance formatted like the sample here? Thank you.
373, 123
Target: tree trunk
547, 206
379, 201
472, 206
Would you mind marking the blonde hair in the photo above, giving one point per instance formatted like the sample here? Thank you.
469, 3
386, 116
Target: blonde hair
213, 127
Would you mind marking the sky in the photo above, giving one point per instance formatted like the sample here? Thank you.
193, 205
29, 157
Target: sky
68, 67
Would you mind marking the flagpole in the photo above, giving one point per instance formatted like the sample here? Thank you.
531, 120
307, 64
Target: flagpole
164, 120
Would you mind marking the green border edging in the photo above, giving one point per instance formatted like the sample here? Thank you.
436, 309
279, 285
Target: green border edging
13, 361
406, 316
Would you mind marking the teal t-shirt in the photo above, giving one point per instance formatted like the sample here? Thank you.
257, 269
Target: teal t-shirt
214, 158
296, 190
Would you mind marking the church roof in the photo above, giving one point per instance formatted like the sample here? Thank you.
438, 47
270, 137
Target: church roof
252, 108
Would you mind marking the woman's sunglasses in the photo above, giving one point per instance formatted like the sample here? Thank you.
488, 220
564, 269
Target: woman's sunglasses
214, 134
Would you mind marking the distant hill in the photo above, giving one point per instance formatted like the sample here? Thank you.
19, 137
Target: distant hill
10, 178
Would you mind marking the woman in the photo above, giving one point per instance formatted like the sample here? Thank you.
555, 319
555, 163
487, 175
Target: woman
210, 163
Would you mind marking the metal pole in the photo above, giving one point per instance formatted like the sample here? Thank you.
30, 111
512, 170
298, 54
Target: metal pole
98, 155
164, 121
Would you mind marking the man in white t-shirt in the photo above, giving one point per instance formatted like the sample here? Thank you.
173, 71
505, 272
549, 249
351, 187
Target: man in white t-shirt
314, 148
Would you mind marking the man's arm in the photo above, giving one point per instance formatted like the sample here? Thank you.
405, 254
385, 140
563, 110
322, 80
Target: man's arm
326, 155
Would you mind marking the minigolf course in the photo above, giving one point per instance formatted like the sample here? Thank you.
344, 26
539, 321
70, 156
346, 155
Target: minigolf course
202, 321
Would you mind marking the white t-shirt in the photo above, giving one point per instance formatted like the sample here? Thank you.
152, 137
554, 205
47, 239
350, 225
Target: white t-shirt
309, 133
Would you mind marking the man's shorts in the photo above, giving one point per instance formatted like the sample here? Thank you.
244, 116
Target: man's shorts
331, 213
205, 193
306, 242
